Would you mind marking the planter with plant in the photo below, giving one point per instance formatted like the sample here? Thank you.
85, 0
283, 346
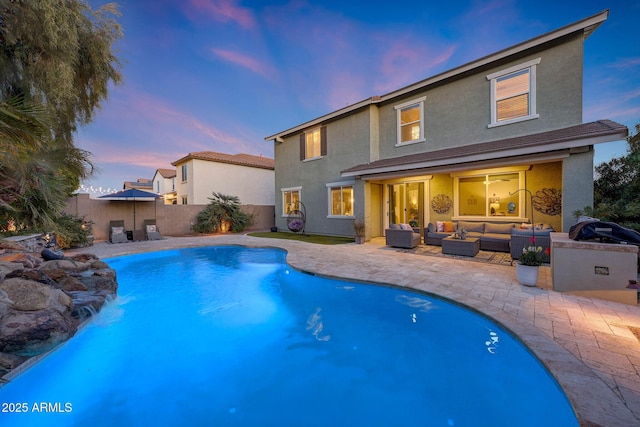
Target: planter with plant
529, 262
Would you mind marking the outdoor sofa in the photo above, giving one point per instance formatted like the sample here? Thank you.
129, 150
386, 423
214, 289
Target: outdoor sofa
494, 236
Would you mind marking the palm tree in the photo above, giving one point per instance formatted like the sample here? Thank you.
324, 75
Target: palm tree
36, 173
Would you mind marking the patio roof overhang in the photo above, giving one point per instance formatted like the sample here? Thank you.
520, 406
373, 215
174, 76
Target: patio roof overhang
535, 148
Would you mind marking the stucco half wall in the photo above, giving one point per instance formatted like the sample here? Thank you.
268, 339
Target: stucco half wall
172, 220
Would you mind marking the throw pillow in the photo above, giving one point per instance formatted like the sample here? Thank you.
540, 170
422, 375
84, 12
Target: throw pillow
405, 227
525, 226
117, 230
394, 226
440, 226
151, 228
448, 227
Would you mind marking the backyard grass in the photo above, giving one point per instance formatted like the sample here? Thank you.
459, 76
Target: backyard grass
310, 238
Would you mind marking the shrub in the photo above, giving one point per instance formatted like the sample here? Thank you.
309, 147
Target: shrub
69, 231
222, 214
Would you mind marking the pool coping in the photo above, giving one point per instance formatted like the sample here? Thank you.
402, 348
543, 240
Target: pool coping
591, 383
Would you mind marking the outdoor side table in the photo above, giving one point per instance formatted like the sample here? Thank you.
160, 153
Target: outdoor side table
465, 247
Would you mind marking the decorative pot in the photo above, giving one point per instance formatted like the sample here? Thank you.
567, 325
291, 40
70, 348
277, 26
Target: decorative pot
527, 274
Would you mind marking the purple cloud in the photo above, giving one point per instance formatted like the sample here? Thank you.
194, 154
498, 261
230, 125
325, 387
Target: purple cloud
245, 61
222, 11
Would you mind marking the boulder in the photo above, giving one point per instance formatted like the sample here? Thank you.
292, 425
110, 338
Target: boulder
10, 361
86, 304
29, 333
98, 282
28, 295
70, 283
42, 302
27, 260
67, 264
8, 267
34, 275
84, 257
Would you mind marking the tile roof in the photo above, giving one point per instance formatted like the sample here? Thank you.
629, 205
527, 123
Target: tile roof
234, 159
167, 173
575, 136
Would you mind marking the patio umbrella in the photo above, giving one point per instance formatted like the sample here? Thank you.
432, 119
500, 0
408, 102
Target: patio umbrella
131, 195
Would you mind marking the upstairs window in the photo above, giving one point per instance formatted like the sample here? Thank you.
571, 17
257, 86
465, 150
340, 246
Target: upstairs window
410, 121
513, 94
313, 143
184, 174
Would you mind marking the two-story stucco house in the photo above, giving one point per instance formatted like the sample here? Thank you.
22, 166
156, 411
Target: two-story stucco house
164, 183
458, 145
250, 178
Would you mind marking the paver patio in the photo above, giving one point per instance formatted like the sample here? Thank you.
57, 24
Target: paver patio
591, 346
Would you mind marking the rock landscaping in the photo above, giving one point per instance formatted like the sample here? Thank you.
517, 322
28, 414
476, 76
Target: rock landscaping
42, 302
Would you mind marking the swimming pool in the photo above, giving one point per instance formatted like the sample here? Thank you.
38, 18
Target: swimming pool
232, 336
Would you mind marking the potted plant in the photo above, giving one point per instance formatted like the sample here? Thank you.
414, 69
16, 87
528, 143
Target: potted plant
359, 230
528, 264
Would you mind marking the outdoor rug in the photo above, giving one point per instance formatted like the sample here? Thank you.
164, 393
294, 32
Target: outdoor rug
500, 258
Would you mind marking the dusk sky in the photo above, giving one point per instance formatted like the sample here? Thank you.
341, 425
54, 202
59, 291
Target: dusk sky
221, 75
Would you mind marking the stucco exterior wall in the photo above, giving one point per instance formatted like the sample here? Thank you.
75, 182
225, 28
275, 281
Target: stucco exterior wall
458, 113
544, 181
172, 220
251, 185
577, 186
347, 144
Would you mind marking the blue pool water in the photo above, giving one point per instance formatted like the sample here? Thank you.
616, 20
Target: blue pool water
230, 336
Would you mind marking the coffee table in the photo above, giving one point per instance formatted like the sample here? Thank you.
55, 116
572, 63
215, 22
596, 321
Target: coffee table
465, 247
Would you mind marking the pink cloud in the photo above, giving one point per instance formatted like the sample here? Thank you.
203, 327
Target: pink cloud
404, 63
244, 61
224, 11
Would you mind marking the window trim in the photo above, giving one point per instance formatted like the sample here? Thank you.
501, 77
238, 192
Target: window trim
282, 191
334, 185
420, 103
522, 215
493, 77
322, 129
185, 173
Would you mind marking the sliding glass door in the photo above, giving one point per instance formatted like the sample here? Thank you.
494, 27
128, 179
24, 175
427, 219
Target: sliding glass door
406, 204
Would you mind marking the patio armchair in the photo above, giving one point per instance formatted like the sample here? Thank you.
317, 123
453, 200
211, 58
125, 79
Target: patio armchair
117, 233
402, 238
151, 231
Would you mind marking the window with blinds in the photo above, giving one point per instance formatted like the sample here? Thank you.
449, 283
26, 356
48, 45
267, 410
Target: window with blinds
513, 94
410, 117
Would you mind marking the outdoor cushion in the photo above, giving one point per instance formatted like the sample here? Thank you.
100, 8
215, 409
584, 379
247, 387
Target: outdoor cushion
471, 226
498, 228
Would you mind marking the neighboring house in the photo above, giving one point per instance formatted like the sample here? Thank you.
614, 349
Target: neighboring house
455, 146
250, 178
143, 184
164, 183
